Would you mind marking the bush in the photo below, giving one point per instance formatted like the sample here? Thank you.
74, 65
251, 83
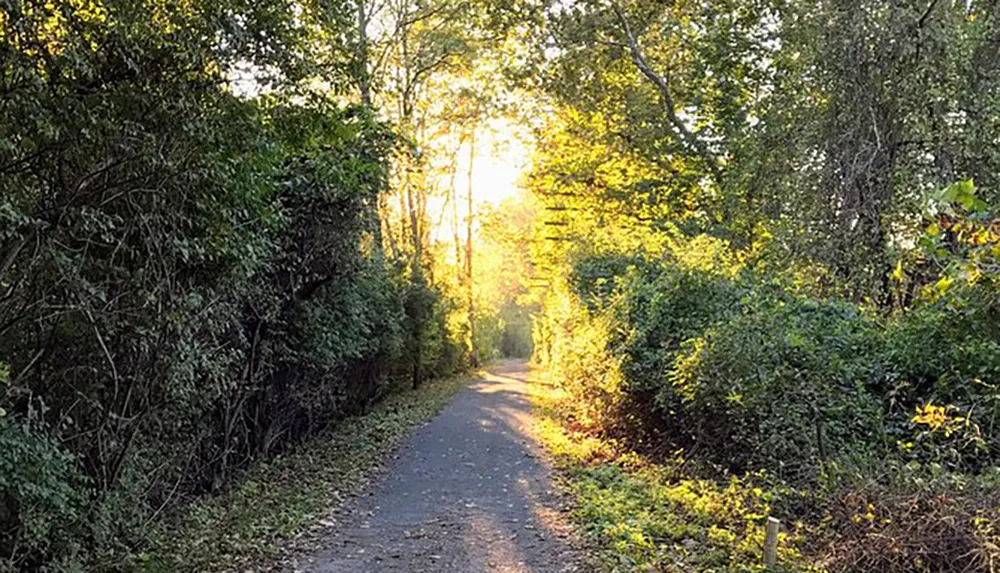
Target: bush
190, 280
753, 376
42, 504
616, 340
661, 308
748, 375
944, 357
881, 431
783, 386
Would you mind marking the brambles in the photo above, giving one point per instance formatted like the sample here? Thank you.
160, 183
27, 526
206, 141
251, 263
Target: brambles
938, 527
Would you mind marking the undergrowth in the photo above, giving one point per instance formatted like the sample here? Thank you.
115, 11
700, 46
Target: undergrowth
644, 516
663, 515
280, 499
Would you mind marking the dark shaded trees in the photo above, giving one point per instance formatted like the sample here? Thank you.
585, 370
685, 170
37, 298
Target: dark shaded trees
191, 271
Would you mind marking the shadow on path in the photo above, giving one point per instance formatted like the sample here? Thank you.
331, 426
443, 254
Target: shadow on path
468, 492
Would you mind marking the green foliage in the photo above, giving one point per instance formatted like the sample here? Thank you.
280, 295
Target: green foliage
947, 353
769, 230
665, 308
751, 376
747, 121
785, 386
742, 377
41, 489
280, 499
646, 516
192, 280
646, 521
643, 514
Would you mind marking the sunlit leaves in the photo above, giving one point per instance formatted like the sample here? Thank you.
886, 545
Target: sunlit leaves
962, 193
38, 27
833, 161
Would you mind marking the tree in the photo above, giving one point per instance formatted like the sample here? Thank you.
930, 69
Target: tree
823, 124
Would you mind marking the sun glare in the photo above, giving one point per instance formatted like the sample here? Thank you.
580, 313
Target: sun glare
502, 156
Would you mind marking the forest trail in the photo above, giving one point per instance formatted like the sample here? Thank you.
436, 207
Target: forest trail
469, 492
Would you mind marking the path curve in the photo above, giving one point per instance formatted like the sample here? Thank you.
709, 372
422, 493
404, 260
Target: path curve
469, 492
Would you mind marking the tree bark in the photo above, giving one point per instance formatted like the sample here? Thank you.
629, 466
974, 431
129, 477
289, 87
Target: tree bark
364, 81
473, 357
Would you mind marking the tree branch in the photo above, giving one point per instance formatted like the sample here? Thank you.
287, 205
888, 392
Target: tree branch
639, 59
927, 13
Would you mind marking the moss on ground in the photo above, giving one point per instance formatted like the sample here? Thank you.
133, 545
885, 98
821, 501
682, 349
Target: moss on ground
282, 498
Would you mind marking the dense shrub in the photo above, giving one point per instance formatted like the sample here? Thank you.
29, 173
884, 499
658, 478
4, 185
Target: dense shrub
875, 433
617, 332
942, 388
782, 383
753, 376
42, 495
662, 308
746, 373
189, 280
783, 386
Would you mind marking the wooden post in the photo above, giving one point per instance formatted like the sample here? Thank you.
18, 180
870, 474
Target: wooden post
771, 542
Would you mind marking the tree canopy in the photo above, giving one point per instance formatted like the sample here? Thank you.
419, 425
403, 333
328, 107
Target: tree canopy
759, 234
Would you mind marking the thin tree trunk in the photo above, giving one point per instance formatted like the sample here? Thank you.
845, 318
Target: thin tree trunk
364, 81
473, 357
454, 219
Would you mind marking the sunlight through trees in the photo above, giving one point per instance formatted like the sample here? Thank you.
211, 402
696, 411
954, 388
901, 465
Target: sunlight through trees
753, 243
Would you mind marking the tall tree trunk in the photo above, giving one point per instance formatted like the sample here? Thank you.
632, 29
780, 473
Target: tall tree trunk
473, 357
416, 234
455, 228
364, 80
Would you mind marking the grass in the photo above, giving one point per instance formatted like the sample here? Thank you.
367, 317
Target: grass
642, 516
284, 497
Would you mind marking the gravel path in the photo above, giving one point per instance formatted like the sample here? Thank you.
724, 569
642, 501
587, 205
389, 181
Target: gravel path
469, 492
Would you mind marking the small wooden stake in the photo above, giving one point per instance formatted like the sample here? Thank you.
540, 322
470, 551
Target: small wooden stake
771, 542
